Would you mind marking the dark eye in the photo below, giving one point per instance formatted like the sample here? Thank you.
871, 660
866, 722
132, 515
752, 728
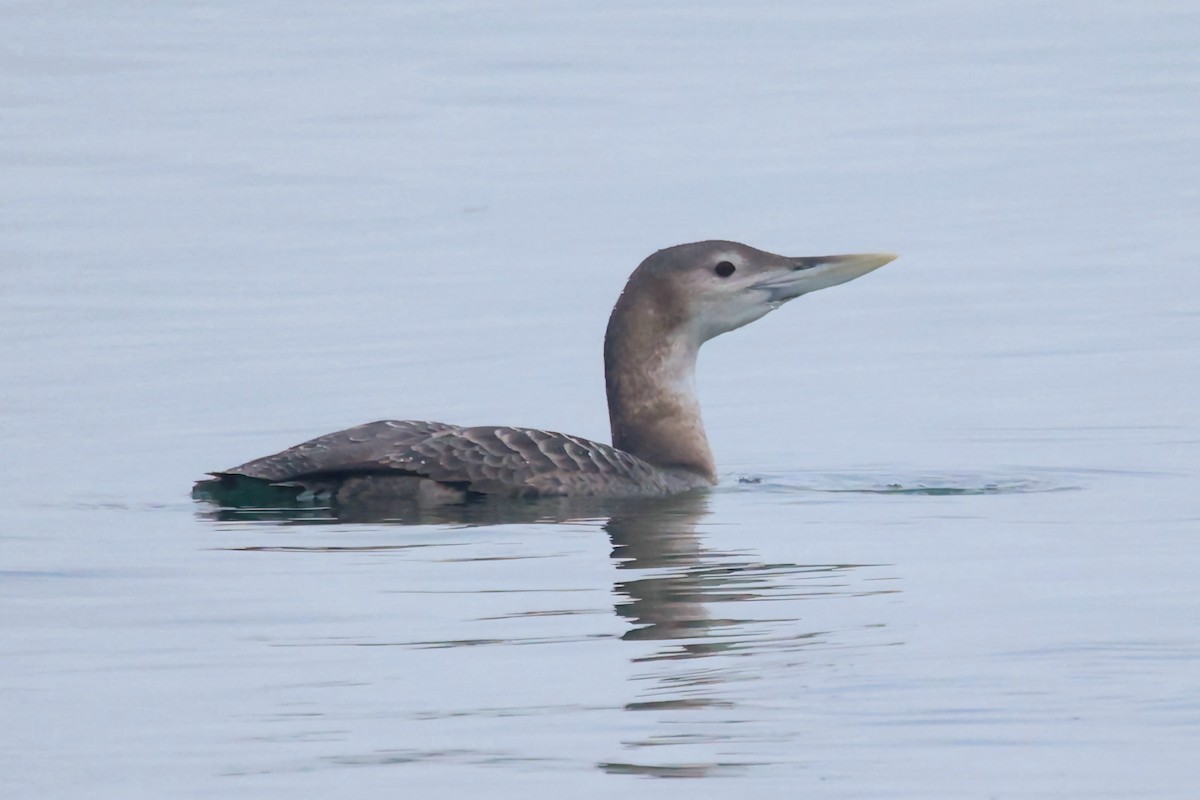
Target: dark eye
724, 269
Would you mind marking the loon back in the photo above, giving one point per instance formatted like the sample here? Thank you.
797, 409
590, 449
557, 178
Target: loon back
510, 462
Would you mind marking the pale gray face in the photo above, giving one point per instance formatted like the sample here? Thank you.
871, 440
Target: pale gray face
727, 285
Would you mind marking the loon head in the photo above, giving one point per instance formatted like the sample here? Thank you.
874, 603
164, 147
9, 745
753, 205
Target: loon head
713, 287
675, 301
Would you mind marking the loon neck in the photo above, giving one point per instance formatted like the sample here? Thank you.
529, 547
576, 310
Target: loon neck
649, 368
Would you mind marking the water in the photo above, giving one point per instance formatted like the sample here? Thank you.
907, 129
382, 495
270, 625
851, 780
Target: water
954, 549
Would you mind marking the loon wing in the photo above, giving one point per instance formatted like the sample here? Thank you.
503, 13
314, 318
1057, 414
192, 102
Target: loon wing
507, 461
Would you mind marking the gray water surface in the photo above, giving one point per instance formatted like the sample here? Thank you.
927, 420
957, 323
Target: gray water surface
954, 551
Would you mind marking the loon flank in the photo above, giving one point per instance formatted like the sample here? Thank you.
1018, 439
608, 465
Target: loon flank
678, 299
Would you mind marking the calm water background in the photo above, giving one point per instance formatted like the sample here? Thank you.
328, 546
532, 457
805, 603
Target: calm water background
229, 226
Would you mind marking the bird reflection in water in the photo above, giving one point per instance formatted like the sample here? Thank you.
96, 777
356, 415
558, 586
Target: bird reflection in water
672, 590
704, 646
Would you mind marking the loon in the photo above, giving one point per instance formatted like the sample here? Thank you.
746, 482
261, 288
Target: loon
676, 300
